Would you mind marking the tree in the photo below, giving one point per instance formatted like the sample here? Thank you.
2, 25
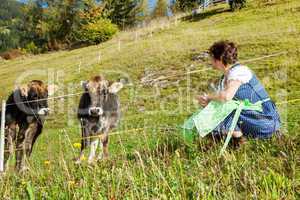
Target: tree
161, 9
97, 31
124, 13
43, 25
9, 9
64, 17
144, 13
32, 28
185, 5
10, 14
51, 24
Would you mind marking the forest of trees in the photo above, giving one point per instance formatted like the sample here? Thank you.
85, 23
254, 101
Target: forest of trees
37, 26
43, 25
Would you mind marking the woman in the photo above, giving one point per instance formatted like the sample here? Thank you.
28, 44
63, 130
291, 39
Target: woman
240, 83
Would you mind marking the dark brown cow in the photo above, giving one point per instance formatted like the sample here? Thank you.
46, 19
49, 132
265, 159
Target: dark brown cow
99, 112
26, 109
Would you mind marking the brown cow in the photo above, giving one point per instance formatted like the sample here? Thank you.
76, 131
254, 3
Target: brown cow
99, 112
25, 113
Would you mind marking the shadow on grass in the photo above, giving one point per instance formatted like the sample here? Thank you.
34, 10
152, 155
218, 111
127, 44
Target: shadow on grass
205, 14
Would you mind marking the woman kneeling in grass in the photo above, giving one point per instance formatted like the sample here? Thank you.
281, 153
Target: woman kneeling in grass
240, 83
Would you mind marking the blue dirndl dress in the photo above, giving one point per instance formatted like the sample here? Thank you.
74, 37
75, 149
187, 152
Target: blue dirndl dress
253, 123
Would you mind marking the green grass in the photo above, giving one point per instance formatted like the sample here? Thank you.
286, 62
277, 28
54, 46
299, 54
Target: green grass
156, 163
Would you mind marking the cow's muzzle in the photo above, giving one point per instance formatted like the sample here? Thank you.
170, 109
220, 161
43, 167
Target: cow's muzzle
95, 111
44, 111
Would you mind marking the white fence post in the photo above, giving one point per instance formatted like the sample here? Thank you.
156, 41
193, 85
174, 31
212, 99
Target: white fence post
2, 136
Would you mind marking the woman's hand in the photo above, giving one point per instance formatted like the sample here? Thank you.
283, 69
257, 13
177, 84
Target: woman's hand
203, 100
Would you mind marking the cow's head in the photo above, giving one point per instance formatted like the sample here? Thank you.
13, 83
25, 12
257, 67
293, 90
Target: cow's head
98, 89
35, 95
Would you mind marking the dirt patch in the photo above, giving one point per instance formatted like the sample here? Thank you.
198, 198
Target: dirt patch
11, 54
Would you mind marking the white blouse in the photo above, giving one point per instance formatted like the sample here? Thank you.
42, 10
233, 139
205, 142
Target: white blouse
239, 73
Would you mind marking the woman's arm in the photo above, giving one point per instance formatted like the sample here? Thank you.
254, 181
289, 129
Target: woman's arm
227, 94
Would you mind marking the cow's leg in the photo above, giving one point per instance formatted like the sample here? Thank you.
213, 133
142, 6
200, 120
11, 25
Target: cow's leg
84, 141
105, 145
10, 136
94, 145
37, 131
24, 145
7, 149
30, 138
20, 147
100, 155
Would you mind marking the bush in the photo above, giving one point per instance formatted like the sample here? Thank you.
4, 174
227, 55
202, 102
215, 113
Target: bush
9, 39
237, 4
31, 48
98, 31
184, 5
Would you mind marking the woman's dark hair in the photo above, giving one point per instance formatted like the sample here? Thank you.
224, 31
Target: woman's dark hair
225, 51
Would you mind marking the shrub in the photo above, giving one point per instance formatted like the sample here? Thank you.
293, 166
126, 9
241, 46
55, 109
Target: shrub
31, 48
237, 4
98, 31
185, 5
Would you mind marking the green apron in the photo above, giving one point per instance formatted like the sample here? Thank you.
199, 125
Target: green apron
207, 119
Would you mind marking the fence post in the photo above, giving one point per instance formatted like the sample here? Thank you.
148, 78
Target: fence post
2, 136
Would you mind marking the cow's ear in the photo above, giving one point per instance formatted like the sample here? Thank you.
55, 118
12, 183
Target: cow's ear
84, 84
115, 87
23, 90
52, 89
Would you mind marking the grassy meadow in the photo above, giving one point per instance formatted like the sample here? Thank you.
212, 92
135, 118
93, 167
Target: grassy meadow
148, 158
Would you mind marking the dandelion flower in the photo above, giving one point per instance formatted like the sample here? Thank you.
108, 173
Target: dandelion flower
177, 153
77, 145
47, 162
83, 158
71, 183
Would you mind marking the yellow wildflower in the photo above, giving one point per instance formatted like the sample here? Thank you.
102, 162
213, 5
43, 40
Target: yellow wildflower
70, 183
77, 145
177, 153
47, 162
83, 158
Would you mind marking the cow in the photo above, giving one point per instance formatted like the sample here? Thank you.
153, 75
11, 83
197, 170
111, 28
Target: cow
26, 109
98, 112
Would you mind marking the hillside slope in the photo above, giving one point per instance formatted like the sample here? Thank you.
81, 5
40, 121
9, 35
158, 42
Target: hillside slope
154, 163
